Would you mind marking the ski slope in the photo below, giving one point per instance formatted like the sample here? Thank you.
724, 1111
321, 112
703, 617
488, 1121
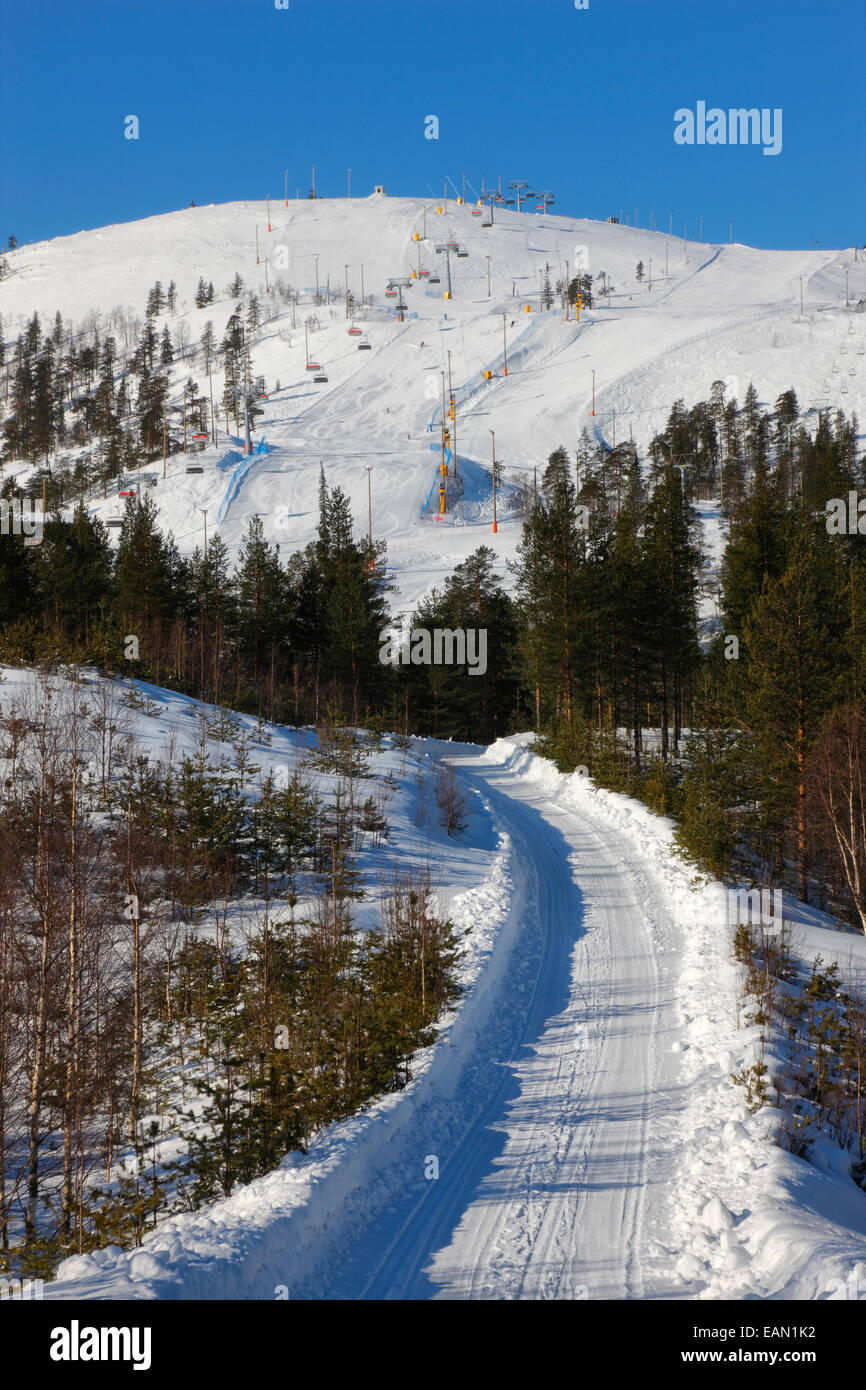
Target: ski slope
711, 311
579, 1104
579, 1101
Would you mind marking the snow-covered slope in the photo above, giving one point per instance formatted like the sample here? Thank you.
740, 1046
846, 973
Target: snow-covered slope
728, 312
579, 1106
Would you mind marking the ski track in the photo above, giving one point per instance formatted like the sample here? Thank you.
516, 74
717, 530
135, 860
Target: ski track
543, 1193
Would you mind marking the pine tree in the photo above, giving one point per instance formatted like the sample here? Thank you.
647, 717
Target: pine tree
73, 572
208, 345
259, 586
550, 554
789, 645
671, 562
155, 301
354, 589
143, 594
755, 551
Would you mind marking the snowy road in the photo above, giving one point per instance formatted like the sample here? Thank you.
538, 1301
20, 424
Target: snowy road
548, 1188
579, 1104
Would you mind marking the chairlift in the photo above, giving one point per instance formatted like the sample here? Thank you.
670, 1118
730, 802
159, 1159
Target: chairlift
194, 468
320, 378
114, 521
390, 294
313, 367
462, 253
844, 388
365, 347
861, 349
476, 212
204, 436
434, 280
452, 245
851, 330
842, 349
423, 274
127, 492
852, 371
354, 332
835, 367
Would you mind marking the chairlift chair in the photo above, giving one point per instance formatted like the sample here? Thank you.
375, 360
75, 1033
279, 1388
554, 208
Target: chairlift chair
320, 378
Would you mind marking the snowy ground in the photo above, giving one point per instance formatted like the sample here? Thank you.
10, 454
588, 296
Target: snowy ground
702, 312
579, 1103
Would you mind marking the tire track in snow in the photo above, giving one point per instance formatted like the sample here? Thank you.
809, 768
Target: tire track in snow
559, 1207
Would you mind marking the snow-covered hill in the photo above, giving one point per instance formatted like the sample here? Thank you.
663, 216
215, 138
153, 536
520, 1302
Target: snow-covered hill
702, 312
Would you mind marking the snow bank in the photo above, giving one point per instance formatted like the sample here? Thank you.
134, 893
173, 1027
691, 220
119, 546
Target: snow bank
281, 1229
749, 1220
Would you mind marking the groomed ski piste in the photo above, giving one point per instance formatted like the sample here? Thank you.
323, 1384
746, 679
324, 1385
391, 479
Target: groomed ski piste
702, 312
579, 1100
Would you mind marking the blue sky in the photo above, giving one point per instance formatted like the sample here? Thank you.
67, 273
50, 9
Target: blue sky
229, 93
